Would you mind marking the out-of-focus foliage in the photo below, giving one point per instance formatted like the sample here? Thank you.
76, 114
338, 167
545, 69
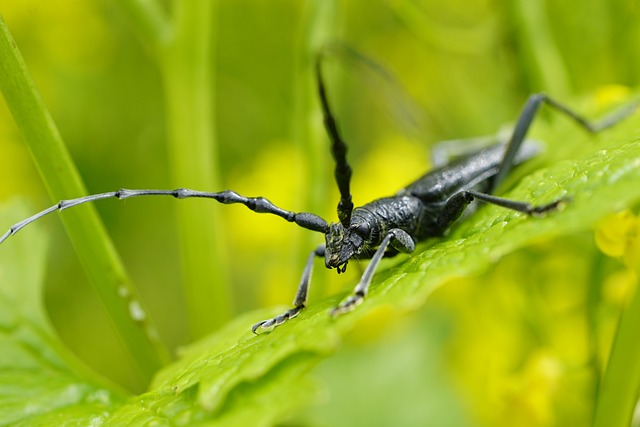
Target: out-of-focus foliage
39, 380
523, 345
235, 378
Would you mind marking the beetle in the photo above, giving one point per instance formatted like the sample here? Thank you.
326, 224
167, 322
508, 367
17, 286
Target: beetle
385, 227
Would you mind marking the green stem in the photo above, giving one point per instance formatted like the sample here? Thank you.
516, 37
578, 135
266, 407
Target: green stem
618, 393
186, 65
540, 52
316, 31
91, 242
594, 292
460, 40
148, 19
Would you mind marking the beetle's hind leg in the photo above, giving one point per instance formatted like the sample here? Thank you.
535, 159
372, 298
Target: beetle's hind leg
300, 300
529, 112
457, 204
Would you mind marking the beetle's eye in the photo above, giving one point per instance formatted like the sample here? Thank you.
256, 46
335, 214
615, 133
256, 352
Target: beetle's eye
363, 230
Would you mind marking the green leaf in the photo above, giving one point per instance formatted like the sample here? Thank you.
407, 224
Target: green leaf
222, 377
40, 383
235, 378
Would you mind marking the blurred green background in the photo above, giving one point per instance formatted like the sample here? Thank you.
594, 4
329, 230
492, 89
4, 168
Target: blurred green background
513, 348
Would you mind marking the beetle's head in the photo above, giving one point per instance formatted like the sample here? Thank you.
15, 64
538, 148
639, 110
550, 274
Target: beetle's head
344, 243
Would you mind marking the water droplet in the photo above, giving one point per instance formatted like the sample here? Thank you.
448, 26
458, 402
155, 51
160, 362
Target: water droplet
100, 396
136, 312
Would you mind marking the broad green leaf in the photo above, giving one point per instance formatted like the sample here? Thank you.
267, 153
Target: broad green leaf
222, 377
232, 378
40, 384
235, 378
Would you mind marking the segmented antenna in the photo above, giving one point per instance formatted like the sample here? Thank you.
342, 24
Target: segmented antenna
342, 171
257, 204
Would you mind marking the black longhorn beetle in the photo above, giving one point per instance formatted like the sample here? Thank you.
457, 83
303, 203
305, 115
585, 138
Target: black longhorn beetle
389, 225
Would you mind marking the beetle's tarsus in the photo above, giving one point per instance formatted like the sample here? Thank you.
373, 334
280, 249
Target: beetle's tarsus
554, 206
348, 305
270, 324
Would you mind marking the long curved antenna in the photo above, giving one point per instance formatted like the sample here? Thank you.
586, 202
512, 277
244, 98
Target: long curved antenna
342, 171
257, 204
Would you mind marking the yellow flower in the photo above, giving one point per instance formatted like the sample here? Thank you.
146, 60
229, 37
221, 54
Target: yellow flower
608, 95
617, 236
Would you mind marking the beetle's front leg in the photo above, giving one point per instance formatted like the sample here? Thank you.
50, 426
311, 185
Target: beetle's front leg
300, 299
399, 240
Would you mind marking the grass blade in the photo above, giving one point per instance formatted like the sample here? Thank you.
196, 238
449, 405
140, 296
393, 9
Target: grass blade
618, 393
187, 69
83, 226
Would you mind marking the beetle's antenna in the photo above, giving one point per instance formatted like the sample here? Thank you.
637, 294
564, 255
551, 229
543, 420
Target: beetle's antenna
342, 171
257, 204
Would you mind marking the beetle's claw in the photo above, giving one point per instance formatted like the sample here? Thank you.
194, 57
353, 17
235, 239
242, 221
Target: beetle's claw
269, 325
556, 205
348, 305
263, 326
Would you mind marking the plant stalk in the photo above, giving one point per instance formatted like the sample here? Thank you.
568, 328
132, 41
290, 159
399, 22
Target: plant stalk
188, 73
88, 236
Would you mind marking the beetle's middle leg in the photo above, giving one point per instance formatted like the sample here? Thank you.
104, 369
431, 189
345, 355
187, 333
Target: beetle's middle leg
300, 300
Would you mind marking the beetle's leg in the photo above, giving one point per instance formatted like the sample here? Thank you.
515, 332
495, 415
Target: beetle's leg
528, 114
457, 203
300, 299
399, 240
